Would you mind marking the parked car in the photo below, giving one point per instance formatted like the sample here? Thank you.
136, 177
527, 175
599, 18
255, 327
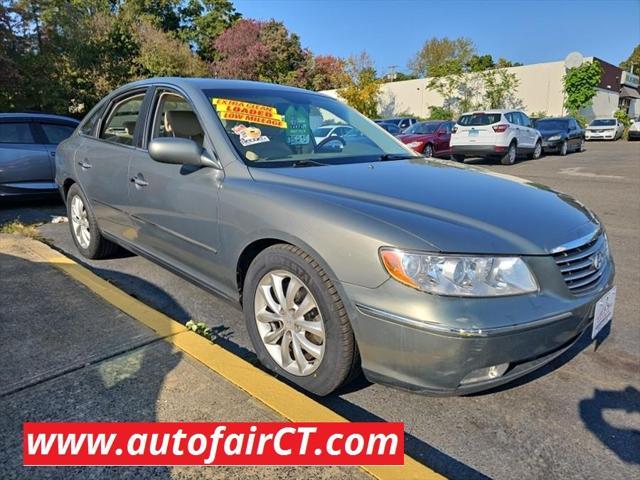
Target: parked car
327, 131
27, 147
502, 134
560, 135
604, 129
352, 253
429, 138
392, 128
634, 130
401, 122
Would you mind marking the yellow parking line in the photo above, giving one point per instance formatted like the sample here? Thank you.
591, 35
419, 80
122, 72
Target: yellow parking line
285, 400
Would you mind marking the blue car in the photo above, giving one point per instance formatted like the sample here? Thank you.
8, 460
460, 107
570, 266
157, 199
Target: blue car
28, 144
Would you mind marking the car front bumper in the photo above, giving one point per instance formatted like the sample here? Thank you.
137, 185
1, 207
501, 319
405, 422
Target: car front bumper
433, 345
551, 145
600, 136
633, 134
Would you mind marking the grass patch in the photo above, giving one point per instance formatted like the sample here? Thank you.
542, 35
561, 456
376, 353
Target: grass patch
19, 228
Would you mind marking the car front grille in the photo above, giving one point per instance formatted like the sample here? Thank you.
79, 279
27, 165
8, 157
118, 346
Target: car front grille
581, 267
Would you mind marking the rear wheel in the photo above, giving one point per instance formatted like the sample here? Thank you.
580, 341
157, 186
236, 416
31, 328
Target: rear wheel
537, 151
84, 227
509, 158
297, 322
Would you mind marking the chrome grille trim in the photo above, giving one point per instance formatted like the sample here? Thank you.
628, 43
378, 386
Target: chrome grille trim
578, 264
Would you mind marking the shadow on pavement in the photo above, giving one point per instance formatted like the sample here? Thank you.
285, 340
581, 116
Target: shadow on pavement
624, 442
70, 376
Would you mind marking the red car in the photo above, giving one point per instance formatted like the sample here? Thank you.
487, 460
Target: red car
429, 138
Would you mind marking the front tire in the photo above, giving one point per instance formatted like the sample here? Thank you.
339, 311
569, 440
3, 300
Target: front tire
563, 148
297, 322
84, 227
428, 150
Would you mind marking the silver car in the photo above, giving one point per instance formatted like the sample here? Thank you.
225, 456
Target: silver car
28, 144
353, 253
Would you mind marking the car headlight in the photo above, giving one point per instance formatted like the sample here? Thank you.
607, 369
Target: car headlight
553, 137
414, 144
459, 275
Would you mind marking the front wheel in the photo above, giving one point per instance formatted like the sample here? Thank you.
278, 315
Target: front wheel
297, 322
428, 150
563, 148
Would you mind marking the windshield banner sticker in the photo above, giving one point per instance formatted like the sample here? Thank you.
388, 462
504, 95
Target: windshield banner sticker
297, 126
248, 112
249, 135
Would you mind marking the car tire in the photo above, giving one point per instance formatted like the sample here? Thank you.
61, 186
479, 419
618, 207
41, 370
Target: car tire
458, 158
563, 148
84, 227
428, 150
271, 327
537, 151
580, 147
509, 158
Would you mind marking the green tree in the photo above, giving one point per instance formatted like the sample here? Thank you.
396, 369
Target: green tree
362, 91
580, 85
479, 63
203, 21
499, 89
633, 62
438, 55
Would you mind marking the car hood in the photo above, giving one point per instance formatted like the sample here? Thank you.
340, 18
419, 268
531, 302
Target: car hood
551, 133
414, 137
452, 208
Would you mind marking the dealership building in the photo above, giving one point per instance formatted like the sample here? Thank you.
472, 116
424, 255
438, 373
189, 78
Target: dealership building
540, 89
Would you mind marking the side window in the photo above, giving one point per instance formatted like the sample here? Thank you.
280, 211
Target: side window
56, 133
88, 125
526, 122
122, 119
510, 117
174, 117
445, 128
16, 133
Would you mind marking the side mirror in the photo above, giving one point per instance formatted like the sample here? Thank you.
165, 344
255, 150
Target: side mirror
181, 151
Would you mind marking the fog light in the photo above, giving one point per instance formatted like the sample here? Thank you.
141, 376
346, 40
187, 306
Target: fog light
487, 373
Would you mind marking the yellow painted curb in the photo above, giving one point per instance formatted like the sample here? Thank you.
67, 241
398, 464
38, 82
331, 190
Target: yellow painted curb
285, 400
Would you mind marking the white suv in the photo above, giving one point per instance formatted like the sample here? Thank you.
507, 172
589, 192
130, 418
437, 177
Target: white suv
502, 134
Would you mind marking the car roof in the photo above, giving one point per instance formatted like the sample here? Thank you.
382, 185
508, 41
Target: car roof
36, 117
204, 83
493, 110
555, 118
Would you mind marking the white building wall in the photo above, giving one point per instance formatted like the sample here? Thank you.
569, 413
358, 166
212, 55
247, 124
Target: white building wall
540, 89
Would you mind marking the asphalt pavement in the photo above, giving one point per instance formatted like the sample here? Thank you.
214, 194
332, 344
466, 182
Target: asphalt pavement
579, 417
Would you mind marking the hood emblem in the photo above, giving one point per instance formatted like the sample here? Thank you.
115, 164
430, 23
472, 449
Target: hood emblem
597, 260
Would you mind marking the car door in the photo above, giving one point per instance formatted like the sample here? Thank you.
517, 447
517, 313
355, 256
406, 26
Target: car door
102, 161
529, 133
575, 134
174, 208
24, 163
52, 134
443, 136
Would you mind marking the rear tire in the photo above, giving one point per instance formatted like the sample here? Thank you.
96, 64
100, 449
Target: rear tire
84, 227
428, 150
509, 158
338, 361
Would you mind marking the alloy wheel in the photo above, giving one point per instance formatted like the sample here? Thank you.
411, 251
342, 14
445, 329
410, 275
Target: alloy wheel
80, 222
289, 322
537, 151
428, 151
512, 154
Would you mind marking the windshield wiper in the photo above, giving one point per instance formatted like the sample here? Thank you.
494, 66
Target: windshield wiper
308, 163
398, 156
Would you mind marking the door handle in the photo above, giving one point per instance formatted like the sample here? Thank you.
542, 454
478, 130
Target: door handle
139, 182
84, 164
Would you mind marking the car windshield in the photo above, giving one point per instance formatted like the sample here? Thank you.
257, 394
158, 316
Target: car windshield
422, 128
479, 119
279, 128
552, 124
603, 122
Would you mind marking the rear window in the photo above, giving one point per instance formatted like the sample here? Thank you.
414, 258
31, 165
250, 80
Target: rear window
56, 133
479, 119
15, 133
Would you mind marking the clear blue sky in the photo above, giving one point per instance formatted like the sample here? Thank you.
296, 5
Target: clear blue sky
522, 31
